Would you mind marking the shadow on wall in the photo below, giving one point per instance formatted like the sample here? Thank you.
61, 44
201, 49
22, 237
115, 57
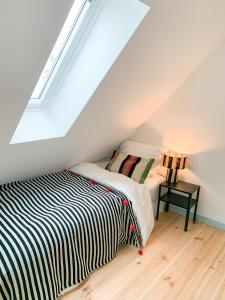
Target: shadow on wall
148, 135
177, 140
210, 166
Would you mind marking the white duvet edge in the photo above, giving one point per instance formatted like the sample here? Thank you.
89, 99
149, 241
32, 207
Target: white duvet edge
137, 193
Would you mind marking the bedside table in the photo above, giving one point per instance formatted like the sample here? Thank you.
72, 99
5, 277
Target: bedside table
185, 201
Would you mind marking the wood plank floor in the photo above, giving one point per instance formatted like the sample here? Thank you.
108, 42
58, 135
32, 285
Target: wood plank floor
175, 265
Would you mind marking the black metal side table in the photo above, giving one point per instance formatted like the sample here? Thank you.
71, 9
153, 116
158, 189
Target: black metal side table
184, 200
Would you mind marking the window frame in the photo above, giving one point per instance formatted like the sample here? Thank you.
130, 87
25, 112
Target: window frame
65, 52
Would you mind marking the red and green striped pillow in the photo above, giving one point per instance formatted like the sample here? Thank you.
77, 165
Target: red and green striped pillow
135, 167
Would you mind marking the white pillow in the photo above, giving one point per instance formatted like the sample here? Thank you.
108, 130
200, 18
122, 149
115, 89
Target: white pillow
142, 150
146, 151
103, 163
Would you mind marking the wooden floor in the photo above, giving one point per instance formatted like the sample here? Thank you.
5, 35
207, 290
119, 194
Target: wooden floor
175, 265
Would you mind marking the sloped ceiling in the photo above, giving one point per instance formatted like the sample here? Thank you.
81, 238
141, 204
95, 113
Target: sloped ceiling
192, 121
173, 40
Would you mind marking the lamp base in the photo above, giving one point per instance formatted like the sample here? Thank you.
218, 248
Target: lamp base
172, 176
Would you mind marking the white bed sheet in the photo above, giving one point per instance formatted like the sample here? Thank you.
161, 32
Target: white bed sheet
137, 193
152, 182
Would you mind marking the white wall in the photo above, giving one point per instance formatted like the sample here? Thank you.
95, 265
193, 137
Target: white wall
192, 121
169, 45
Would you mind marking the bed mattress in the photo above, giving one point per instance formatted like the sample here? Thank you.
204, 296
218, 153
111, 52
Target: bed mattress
56, 230
152, 184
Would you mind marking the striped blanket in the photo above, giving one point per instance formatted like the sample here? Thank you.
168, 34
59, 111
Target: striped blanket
56, 230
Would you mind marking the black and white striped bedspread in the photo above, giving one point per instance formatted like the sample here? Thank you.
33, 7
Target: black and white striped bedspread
57, 229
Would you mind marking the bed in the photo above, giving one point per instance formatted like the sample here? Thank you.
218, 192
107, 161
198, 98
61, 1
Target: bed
57, 229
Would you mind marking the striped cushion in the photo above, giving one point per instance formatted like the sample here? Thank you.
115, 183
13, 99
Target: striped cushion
132, 166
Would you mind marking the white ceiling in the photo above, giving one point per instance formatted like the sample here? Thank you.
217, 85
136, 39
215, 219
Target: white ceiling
173, 40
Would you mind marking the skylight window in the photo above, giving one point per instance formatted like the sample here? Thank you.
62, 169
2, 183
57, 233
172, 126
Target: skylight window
71, 25
90, 42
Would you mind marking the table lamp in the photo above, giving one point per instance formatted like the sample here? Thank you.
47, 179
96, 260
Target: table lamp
173, 162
